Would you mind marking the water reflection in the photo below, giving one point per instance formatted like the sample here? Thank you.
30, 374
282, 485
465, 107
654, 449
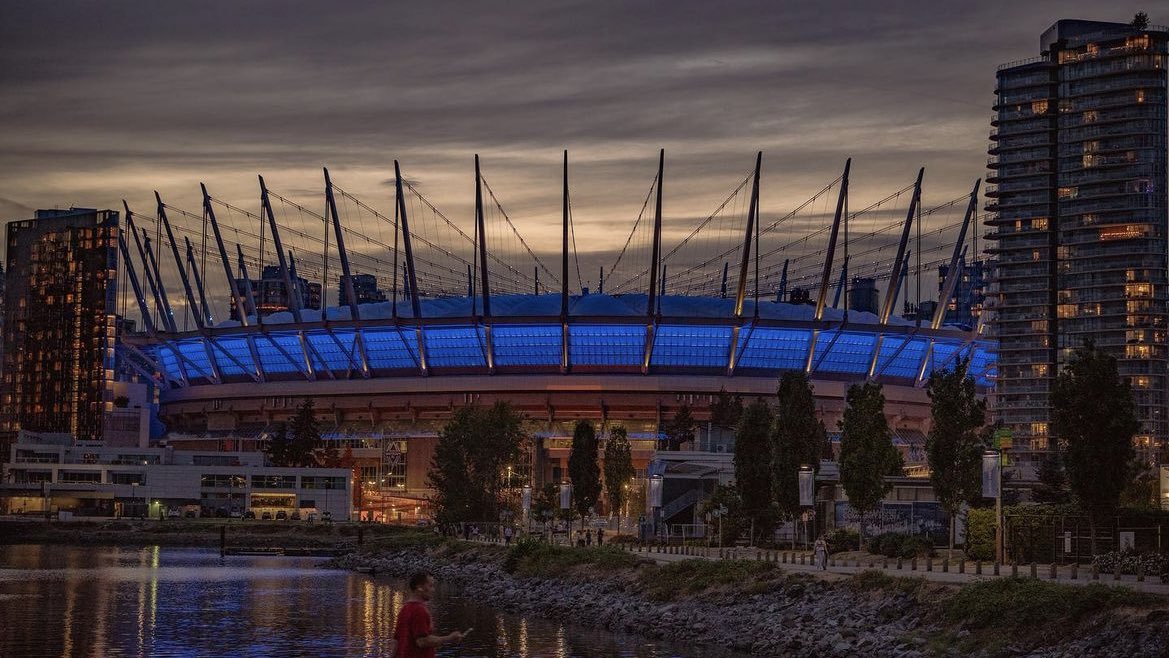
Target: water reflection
114, 602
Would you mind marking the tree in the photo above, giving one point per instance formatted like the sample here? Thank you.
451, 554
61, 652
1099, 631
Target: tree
1094, 418
680, 430
797, 439
729, 523
618, 469
725, 409
583, 470
305, 436
279, 445
867, 454
753, 466
953, 446
1053, 483
470, 459
546, 502
1140, 21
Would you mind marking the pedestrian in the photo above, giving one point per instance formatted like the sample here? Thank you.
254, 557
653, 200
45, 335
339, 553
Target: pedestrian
467, 531
475, 532
600, 536
414, 629
588, 537
820, 553
507, 535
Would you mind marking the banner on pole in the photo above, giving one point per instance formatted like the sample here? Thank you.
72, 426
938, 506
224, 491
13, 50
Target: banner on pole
990, 475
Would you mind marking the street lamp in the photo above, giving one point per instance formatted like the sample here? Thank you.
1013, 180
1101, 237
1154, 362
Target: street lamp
654, 499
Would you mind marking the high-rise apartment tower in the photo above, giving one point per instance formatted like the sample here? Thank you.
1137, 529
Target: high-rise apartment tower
1078, 196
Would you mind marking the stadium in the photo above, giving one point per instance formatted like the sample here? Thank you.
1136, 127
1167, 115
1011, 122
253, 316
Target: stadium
471, 316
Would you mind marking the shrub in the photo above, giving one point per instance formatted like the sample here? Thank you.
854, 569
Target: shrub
896, 544
843, 539
529, 557
1022, 603
694, 576
1128, 561
980, 525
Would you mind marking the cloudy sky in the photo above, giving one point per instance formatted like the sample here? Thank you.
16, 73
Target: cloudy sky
104, 101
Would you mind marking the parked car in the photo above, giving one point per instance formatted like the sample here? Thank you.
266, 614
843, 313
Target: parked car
295, 515
222, 513
281, 515
172, 514
249, 514
191, 514
266, 516
237, 514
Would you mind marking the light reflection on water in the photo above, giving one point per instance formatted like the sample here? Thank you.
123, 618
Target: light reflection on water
119, 602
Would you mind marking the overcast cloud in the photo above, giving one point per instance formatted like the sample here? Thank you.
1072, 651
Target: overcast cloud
104, 101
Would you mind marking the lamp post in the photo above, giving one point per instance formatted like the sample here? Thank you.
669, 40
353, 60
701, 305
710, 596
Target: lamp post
526, 506
565, 505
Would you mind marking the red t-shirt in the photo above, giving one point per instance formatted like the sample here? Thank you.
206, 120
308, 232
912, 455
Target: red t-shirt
413, 622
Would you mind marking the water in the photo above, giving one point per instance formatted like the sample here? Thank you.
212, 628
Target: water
72, 601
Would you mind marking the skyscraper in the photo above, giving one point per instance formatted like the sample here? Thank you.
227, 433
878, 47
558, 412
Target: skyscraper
365, 289
272, 295
1078, 173
60, 322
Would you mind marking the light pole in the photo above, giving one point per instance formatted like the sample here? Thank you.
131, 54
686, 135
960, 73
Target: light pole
654, 498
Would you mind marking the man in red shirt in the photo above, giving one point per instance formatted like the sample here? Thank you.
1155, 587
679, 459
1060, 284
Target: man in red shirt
414, 630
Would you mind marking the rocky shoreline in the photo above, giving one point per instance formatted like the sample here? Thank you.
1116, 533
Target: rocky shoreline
797, 615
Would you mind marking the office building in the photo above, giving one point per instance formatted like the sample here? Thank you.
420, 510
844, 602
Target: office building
271, 295
60, 323
1078, 196
365, 289
965, 307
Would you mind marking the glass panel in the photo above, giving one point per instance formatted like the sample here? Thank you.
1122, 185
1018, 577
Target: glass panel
458, 347
692, 346
606, 345
847, 353
390, 349
523, 345
774, 349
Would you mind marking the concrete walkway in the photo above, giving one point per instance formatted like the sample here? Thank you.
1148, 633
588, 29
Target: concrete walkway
932, 569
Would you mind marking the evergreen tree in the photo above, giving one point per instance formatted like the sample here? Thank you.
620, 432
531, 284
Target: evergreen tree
953, 445
583, 470
680, 430
1053, 483
867, 454
753, 466
305, 436
797, 439
725, 409
469, 462
618, 469
1094, 418
279, 446
1140, 21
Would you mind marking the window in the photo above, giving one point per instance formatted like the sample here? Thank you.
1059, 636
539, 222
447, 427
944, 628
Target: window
1039, 107
1138, 290
274, 481
1038, 429
1068, 192
1039, 224
79, 477
1039, 369
1137, 351
321, 482
222, 480
127, 478
1124, 232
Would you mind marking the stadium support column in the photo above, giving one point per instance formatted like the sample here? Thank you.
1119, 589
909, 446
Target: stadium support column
826, 276
741, 290
174, 247
565, 365
293, 299
152, 263
133, 274
655, 257
895, 276
489, 352
411, 273
191, 263
250, 308
346, 275
236, 297
954, 273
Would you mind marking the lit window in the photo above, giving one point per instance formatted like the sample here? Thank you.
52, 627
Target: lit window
1124, 232
1068, 192
1039, 107
1038, 429
1138, 290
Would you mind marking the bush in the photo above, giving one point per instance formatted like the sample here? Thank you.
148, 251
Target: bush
675, 579
529, 557
980, 525
1128, 561
843, 539
1009, 604
896, 544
